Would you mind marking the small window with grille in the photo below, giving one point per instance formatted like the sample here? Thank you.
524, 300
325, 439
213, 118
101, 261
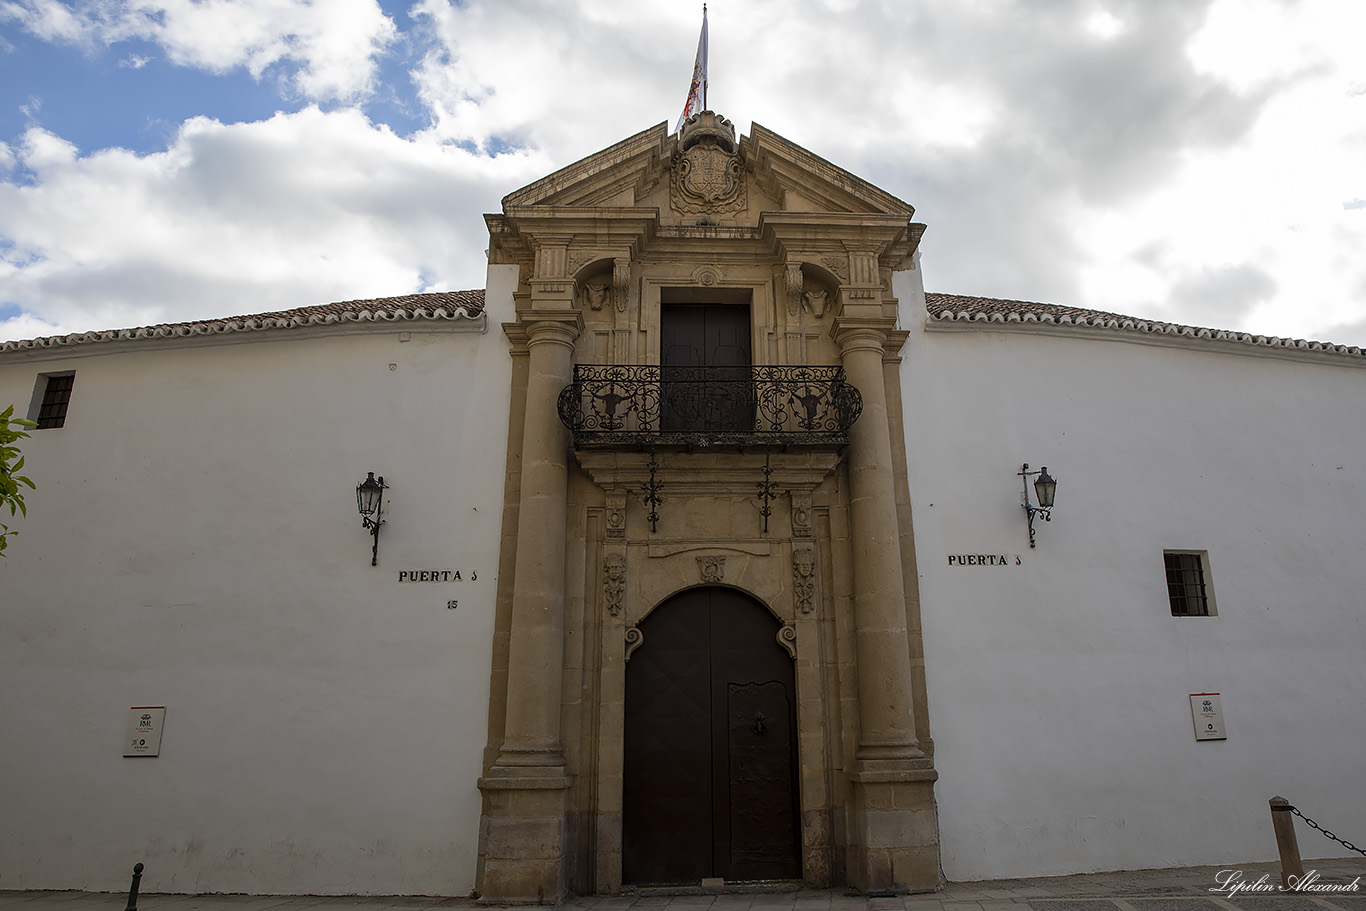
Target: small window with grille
1188, 587
56, 392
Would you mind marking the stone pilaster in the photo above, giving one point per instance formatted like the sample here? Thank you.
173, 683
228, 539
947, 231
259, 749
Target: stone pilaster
893, 833
525, 827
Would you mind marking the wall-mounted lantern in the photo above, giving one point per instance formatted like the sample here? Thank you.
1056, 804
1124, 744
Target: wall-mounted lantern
1044, 488
370, 502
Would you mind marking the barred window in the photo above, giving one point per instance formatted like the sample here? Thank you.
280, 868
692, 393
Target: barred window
1188, 586
56, 396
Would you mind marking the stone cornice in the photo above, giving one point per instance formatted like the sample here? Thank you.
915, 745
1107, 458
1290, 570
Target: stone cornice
645, 143
523, 229
689, 474
766, 150
890, 236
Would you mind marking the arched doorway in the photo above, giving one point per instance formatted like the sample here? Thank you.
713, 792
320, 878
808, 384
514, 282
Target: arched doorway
710, 784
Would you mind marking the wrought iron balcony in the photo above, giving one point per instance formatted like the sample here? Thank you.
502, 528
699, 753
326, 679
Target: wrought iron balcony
709, 406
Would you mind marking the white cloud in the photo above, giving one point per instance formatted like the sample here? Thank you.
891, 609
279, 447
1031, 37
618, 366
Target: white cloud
1103, 24
302, 208
1169, 158
1277, 202
333, 43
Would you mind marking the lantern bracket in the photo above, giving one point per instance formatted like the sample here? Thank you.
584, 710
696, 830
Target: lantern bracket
370, 504
1044, 488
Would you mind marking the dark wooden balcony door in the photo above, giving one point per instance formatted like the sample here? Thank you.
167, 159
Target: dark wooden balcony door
710, 784
704, 366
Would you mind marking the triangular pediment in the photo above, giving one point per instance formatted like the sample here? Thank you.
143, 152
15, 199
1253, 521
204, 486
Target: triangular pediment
693, 183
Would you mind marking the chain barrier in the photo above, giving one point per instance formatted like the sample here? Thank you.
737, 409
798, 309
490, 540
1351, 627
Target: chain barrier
1313, 825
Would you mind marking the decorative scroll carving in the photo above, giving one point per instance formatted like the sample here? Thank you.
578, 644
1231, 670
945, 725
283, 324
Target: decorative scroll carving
614, 582
645, 405
712, 568
814, 302
634, 640
794, 287
578, 260
787, 638
621, 281
616, 514
801, 515
596, 294
804, 579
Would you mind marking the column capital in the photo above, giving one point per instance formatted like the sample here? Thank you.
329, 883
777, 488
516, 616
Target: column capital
551, 326
853, 334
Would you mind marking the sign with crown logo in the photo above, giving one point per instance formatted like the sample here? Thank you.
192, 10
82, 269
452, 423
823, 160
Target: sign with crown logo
1208, 716
142, 737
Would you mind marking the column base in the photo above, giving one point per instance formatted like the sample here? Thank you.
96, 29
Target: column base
893, 829
524, 850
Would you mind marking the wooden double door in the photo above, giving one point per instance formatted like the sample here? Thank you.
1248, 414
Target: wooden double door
705, 368
710, 777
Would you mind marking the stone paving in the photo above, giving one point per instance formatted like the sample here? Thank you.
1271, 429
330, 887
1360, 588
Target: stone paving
1181, 889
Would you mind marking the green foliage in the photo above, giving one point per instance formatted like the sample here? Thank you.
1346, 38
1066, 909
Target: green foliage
11, 462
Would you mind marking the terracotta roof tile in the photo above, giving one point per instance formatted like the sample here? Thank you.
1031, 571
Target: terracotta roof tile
439, 305
951, 308
455, 305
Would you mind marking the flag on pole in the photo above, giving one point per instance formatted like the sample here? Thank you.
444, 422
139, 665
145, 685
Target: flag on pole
697, 91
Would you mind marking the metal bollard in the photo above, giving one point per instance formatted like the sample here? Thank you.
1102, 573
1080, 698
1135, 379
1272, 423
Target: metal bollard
133, 889
1284, 826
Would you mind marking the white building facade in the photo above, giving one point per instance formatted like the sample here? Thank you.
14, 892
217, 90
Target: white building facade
334, 727
1060, 682
194, 543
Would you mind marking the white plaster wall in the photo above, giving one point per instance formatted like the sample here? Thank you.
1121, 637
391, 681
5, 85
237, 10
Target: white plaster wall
1058, 688
194, 543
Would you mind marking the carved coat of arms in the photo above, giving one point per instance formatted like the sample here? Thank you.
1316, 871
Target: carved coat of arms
707, 178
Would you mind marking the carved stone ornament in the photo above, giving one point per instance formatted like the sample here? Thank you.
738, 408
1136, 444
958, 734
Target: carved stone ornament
578, 260
787, 638
838, 265
794, 287
706, 276
634, 639
616, 514
621, 281
712, 569
596, 293
804, 579
801, 515
614, 582
814, 301
708, 175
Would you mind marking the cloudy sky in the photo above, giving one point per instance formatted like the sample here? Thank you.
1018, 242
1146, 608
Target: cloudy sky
1202, 161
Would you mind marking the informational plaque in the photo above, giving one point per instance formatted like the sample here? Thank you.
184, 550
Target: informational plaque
1208, 716
143, 737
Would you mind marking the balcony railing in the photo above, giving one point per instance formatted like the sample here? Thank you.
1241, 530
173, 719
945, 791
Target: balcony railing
709, 406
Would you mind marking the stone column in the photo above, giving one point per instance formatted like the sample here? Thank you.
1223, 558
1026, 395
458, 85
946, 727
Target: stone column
525, 827
893, 833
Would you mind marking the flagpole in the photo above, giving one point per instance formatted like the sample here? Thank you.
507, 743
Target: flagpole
697, 89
